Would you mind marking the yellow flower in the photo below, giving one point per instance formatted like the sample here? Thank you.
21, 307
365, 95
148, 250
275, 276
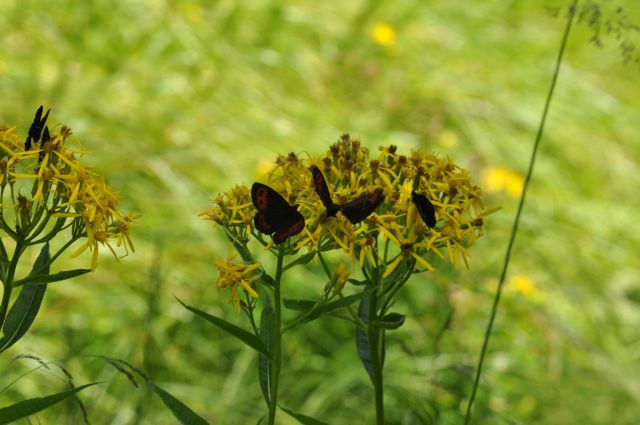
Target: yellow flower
341, 275
498, 179
237, 275
64, 193
351, 172
523, 284
383, 34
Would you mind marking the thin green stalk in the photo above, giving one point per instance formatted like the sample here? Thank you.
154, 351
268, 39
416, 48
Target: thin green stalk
516, 222
8, 281
375, 344
277, 346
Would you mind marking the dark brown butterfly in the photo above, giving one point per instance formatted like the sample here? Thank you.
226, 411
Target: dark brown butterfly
425, 208
35, 130
356, 210
275, 216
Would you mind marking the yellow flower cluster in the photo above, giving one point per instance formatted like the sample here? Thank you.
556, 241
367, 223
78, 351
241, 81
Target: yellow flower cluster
48, 189
235, 275
350, 172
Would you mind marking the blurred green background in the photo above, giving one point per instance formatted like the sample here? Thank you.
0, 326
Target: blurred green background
178, 100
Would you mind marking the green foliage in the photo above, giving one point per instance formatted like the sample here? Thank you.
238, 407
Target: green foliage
191, 97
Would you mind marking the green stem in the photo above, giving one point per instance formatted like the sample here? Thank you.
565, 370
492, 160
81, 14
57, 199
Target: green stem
8, 281
514, 230
375, 345
277, 343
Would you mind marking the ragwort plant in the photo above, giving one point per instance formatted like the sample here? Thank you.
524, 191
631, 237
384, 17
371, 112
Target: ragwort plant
389, 214
48, 194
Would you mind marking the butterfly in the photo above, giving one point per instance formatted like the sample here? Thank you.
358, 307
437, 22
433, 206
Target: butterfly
356, 210
35, 130
425, 208
275, 216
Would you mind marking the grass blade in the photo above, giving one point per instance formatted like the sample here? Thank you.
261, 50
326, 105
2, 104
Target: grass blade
26, 306
303, 419
26, 408
248, 338
516, 222
181, 411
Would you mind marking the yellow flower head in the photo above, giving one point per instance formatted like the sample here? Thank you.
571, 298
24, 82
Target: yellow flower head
237, 275
50, 189
383, 34
381, 225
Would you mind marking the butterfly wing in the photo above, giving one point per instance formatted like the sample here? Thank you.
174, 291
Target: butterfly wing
265, 198
262, 223
36, 128
275, 216
322, 189
360, 208
288, 225
425, 208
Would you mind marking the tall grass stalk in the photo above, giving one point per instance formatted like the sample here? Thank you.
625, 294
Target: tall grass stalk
516, 222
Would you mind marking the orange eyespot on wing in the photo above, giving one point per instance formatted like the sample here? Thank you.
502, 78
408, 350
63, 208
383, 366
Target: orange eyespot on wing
425, 208
275, 216
261, 223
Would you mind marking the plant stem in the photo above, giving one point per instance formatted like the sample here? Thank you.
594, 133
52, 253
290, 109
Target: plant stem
8, 281
375, 344
277, 344
514, 230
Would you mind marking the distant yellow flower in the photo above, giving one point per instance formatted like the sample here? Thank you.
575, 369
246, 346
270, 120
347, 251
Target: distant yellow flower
523, 284
237, 275
383, 34
497, 179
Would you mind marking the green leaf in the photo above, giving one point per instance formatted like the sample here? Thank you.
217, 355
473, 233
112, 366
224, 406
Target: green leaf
357, 282
390, 321
301, 261
362, 339
303, 419
40, 279
267, 333
181, 411
316, 310
299, 305
248, 338
26, 306
26, 408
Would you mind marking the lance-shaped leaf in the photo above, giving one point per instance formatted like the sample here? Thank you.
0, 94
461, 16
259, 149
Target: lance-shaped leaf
301, 261
181, 411
26, 306
41, 278
303, 419
362, 339
248, 338
26, 408
312, 310
390, 321
267, 335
